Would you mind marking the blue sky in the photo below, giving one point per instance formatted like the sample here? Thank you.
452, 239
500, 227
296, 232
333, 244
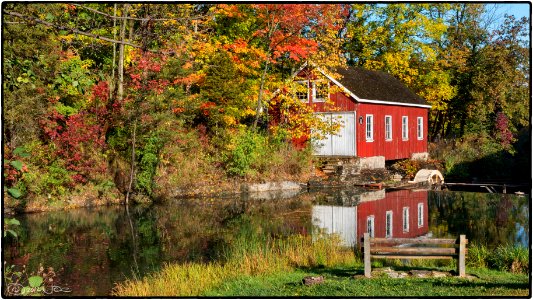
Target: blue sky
519, 10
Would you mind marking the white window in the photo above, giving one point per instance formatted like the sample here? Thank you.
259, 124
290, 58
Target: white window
388, 224
370, 226
420, 214
406, 219
302, 91
369, 128
320, 90
420, 128
405, 128
388, 128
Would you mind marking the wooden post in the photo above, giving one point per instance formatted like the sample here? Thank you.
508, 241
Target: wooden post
461, 260
366, 245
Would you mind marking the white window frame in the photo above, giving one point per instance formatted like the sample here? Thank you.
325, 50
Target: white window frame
405, 128
306, 84
388, 128
369, 128
406, 219
420, 128
388, 224
420, 214
370, 225
313, 85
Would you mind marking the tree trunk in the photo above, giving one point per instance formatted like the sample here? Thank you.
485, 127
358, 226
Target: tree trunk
120, 93
132, 170
260, 96
113, 83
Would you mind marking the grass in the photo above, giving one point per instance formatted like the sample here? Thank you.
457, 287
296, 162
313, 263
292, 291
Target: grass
340, 282
256, 265
248, 259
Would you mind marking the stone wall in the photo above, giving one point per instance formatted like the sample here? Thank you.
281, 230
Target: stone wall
420, 156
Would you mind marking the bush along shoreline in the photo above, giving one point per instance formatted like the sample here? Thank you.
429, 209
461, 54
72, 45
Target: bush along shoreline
193, 166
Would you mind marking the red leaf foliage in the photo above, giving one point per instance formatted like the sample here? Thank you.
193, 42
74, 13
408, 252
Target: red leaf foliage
76, 137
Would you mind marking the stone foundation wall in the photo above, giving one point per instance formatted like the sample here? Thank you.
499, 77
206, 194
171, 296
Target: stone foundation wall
370, 163
420, 156
351, 167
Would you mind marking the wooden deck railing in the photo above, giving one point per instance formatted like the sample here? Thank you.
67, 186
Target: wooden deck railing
414, 248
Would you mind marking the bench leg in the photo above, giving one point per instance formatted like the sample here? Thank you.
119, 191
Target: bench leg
366, 245
461, 270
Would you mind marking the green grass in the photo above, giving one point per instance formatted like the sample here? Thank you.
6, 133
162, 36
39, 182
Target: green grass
255, 264
340, 282
249, 259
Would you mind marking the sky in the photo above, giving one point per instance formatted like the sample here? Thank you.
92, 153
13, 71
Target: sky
519, 10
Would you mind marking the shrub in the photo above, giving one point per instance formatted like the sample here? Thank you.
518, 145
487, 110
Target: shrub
407, 167
54, 179
249, 146
477, 256
148, 161
510, 258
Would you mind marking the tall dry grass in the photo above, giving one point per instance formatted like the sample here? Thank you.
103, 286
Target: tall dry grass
192, 279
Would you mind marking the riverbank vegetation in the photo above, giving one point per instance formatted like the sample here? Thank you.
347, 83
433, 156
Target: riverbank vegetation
104, 102
252, 263
277, 267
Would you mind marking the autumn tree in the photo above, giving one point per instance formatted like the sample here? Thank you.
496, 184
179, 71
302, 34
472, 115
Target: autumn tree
407, 41
282, 35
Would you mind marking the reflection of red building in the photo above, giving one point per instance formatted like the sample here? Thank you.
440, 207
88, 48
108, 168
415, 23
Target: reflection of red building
396, 214
400, 214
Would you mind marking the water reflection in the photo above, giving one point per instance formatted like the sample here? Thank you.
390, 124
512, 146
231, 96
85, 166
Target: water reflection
399, 214
488, 219
93, 248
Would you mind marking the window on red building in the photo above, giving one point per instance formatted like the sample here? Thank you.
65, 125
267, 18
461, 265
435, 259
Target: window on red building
420, 128
420, 214
302, 91
406, 219
405, 128
320, 90
370, 226
369, 128
388, 128
388, 224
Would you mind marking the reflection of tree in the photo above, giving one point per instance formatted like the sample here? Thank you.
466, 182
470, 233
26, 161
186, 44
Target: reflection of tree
74, 243
97, 247
135, 245
485, 218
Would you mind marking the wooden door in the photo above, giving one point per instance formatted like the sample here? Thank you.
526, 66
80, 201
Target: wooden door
343, 142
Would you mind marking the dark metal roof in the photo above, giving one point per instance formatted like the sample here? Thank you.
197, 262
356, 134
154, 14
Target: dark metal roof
377, 85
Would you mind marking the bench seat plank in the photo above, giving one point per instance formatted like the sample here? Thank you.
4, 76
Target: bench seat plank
413, 256
413, 241
410, 250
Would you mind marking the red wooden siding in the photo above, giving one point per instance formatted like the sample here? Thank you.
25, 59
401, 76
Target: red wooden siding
394, 201
396, 148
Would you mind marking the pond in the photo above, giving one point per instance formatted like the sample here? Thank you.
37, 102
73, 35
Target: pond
91, 249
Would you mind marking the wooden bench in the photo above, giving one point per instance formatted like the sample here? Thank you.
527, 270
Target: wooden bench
414, 248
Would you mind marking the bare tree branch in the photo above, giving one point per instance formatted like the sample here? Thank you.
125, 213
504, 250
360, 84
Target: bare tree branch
74, 30
132, 18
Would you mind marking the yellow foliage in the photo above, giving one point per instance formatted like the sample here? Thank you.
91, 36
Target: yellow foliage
229, 120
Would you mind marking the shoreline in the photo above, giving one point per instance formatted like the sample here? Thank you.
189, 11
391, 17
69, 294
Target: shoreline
88, 197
